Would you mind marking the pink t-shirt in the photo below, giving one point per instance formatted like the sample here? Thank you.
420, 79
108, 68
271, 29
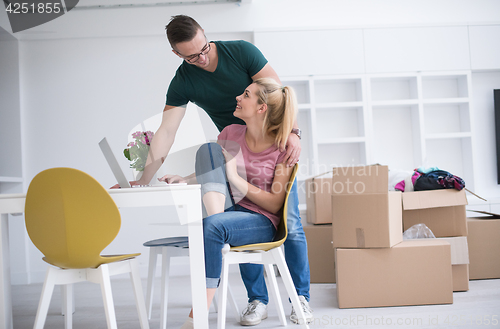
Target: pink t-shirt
256, 168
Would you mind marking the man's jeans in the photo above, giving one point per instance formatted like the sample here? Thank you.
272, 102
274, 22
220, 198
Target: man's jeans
295, 255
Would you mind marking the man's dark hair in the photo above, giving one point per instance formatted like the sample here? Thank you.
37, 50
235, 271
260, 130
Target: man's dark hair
181, 28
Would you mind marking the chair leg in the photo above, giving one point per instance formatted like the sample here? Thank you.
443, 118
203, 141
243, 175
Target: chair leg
139, 296
68, 305
279, 259
232, 301
43, 306
165, 276
273, 284
63, 298
107, 295
221, 316
153, 256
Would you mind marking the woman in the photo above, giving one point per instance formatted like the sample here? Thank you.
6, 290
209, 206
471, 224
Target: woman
243, 178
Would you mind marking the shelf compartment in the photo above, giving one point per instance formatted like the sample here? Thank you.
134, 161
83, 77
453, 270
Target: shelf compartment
444, 86
338, 90
340, 155
396, 137
394, 88
452, 155
447, 118
333, 123
301, 90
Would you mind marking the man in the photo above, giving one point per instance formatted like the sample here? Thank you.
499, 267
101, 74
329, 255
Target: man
211, 76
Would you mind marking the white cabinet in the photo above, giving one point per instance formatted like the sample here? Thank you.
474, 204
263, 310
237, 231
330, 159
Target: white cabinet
416, 49
484, 47
313, 52
401, 120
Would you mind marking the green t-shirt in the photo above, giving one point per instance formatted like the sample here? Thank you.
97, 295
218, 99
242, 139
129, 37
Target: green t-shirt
216, 92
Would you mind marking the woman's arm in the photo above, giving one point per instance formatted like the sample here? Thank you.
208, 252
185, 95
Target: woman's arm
271, 201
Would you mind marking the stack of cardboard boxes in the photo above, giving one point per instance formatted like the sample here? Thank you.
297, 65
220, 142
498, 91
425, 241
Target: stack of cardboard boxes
373, 265
443, 212
319, 235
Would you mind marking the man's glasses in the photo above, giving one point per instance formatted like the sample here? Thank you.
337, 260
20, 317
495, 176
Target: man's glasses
194, 58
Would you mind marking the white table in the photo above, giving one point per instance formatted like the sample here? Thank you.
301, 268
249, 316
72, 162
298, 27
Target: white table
188, 202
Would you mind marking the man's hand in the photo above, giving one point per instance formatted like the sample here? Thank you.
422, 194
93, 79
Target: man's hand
172, 179
293, 150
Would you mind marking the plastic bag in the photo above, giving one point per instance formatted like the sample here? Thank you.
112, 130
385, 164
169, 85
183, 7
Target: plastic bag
418, 231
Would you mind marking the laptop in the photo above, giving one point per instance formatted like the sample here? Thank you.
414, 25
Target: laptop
117, 170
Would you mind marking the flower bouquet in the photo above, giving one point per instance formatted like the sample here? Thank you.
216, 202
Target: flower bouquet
137, 150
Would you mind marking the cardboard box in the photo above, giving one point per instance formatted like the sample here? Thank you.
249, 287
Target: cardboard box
414, 272
459, 262
364, 213
484, 247
460, 274
360, 180
318, 200
367, 220
321, 253
443, 211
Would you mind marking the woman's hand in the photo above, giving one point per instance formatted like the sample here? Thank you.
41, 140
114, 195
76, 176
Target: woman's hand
172, 179
231, 166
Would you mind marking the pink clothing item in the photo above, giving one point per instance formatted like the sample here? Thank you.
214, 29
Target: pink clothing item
401, 185
257, 168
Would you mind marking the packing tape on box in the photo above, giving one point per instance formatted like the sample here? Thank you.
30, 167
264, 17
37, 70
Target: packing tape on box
360, 237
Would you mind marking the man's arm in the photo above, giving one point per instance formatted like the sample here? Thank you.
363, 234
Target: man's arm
267, 72
293, 142
162, 141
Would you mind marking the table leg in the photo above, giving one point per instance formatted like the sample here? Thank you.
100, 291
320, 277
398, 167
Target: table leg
5, 289
197, 268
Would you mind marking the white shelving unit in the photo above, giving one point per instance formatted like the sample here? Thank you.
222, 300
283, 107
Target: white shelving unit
403, 120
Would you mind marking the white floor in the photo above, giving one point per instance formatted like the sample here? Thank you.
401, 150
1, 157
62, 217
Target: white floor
477, 308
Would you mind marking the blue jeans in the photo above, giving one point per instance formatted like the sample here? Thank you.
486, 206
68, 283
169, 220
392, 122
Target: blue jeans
295, 256
236, 226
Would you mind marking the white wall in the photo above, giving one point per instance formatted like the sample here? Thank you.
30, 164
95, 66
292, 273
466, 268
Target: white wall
76, 90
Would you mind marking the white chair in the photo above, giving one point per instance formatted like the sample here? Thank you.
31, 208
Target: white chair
268, 254
168, 248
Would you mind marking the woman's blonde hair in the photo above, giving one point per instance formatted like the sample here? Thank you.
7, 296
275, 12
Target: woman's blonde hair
281, 108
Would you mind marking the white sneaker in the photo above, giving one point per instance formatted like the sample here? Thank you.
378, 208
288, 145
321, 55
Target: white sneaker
307, 312
254, 313
188, 324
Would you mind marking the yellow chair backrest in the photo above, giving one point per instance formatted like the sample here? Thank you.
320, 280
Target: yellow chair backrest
281, 231
70, 218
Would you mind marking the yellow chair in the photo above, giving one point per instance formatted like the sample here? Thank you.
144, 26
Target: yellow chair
268, 254
71, 218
